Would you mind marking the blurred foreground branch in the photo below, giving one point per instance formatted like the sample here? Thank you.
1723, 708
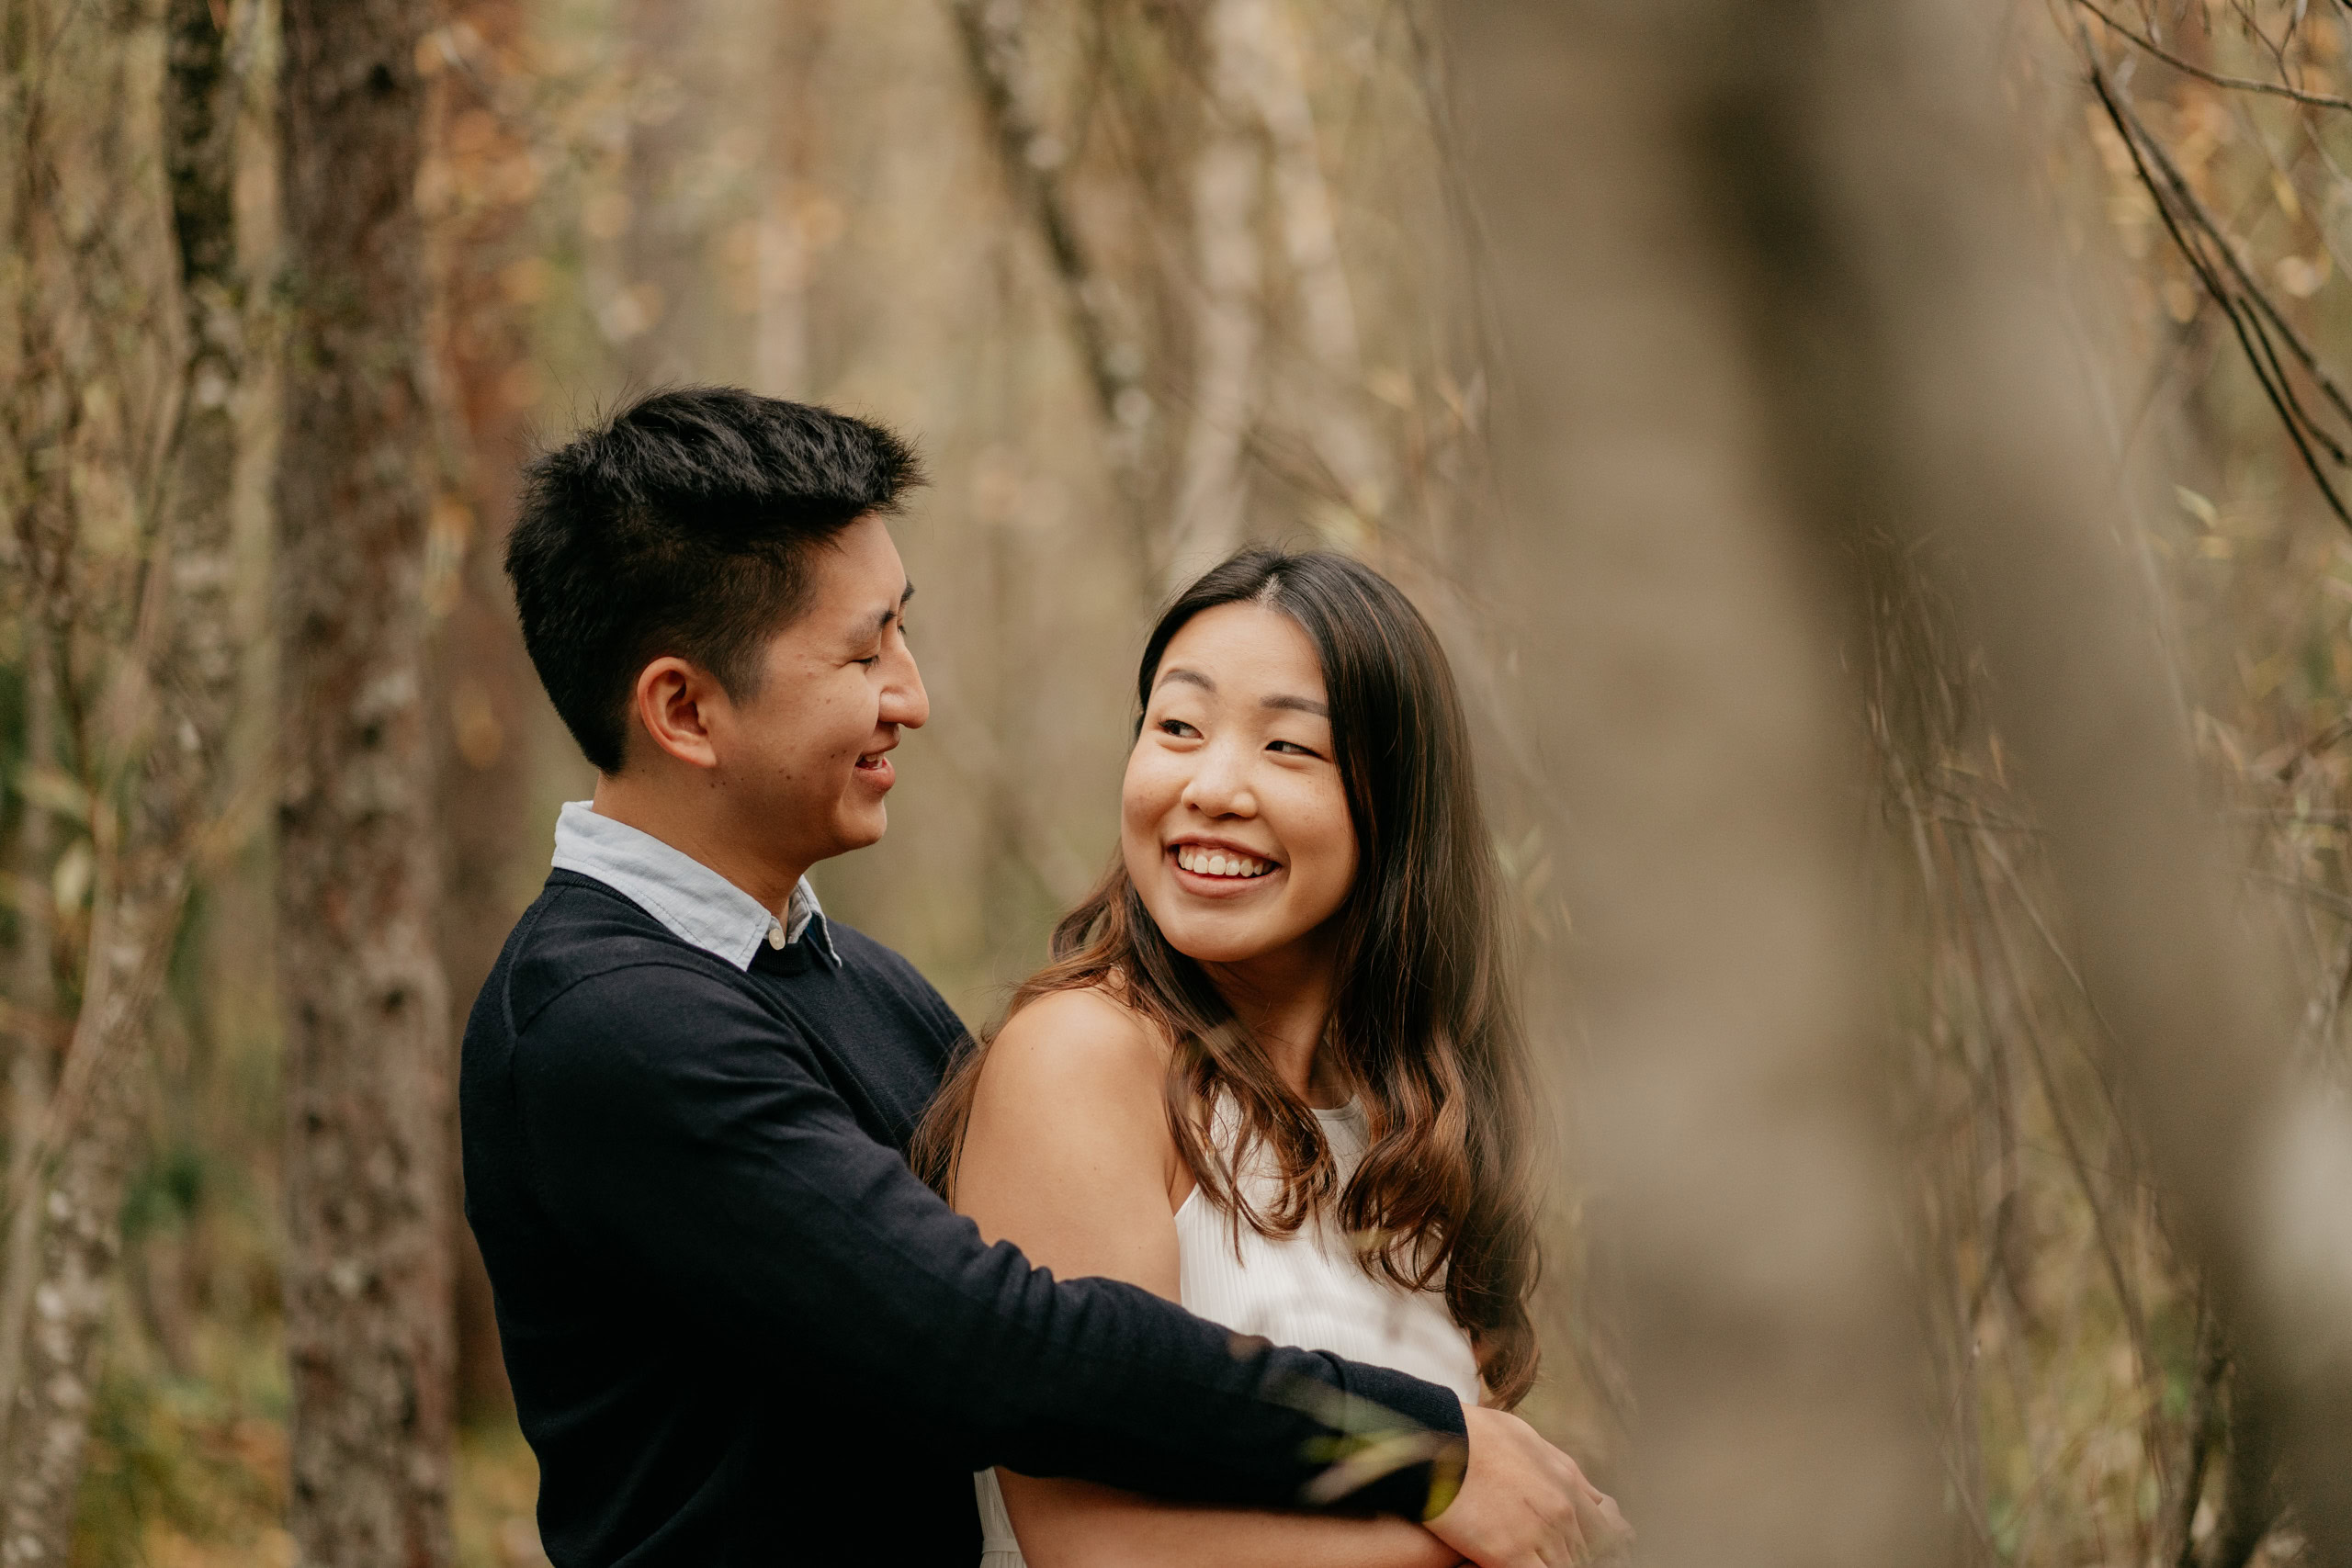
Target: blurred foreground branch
1776, 329
1677, 641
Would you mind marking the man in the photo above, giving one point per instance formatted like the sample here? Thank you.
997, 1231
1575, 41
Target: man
739, 1331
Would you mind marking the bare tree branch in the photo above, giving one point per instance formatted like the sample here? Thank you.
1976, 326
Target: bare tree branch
1032, 158
2237, 84
2247, 307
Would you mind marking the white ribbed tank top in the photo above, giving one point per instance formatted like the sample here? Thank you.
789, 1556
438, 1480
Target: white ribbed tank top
1306, 1289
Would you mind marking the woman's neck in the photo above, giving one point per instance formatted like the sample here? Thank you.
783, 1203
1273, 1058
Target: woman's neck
1284, 1000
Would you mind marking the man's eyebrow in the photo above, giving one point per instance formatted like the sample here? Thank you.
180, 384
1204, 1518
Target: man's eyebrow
1298, 704
895, 611
1191, 677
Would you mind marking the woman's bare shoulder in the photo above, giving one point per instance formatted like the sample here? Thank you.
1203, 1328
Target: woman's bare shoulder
1084, 1037
1069, 1108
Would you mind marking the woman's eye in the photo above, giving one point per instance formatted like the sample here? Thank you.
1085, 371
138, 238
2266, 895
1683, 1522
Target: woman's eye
1177, 726
1291, 747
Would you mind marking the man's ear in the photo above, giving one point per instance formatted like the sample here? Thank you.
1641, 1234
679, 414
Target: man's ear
672, 701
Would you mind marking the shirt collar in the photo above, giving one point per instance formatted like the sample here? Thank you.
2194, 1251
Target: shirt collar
698, 904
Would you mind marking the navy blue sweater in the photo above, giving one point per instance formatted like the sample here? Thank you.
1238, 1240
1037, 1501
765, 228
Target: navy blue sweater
740, 1331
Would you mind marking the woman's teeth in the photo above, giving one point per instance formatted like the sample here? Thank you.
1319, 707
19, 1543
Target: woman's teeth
1220, 862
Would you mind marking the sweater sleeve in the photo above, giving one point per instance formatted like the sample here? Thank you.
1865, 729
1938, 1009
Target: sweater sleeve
680, 1129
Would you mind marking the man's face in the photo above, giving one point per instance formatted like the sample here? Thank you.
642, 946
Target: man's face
803, 760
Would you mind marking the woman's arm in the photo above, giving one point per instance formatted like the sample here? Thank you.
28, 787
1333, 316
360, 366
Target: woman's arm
1067, 1157
1075, 1524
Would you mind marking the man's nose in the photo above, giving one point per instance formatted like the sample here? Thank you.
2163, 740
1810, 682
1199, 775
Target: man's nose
904, 701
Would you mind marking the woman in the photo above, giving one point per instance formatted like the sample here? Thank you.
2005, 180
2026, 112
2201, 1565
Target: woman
1273, 1068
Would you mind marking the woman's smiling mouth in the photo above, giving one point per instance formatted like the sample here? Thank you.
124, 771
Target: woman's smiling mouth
1220, 865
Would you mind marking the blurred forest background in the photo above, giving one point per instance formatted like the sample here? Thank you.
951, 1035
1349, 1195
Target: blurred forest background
1144, 278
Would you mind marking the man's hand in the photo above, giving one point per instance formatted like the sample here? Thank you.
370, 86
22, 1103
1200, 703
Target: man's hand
1524, 1504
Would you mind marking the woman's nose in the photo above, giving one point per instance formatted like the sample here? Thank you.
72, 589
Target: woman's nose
1220, 783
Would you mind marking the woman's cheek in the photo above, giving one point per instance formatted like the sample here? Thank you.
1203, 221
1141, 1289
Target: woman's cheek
1149, 788
1138, 829
1333, 850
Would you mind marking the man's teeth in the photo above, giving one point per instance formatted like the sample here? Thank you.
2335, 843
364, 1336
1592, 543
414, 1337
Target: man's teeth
1220, 863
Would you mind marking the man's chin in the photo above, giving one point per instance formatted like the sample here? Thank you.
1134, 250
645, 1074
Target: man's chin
856, 833
867, 828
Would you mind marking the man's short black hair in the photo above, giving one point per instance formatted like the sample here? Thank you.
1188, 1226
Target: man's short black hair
682, 525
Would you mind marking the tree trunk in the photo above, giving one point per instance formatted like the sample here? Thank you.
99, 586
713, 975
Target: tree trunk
34, 412
92, 1123
32, 1064
1210, 514
1355, 467
89, 1131
367, 1268
484, 701
677, 59
781, 366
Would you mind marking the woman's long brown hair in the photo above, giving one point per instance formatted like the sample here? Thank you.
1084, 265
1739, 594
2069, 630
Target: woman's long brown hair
1424, 1019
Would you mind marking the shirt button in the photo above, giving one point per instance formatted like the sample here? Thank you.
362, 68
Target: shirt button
776, 934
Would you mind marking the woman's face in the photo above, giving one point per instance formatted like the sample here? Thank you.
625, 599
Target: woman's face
1233, 821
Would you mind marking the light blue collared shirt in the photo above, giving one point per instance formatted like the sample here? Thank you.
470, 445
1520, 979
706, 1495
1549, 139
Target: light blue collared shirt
696, 903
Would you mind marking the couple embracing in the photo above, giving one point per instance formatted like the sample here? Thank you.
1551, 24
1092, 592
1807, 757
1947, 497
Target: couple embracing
789, 1272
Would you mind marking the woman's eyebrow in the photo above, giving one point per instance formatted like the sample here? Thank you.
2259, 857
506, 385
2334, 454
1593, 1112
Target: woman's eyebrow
1191, 677
1298, 704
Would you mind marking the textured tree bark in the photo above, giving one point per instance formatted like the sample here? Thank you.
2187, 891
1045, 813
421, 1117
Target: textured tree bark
1675, 630
30, 416
80, 1199
32, 1061
89, 1129
367, 1271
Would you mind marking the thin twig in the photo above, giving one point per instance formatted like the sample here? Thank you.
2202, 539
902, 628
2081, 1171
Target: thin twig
2246, 19
2204, 1423
2127, 1298
2237, 84
2253, 290
2143, 149
2326, 899
2320, 1013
